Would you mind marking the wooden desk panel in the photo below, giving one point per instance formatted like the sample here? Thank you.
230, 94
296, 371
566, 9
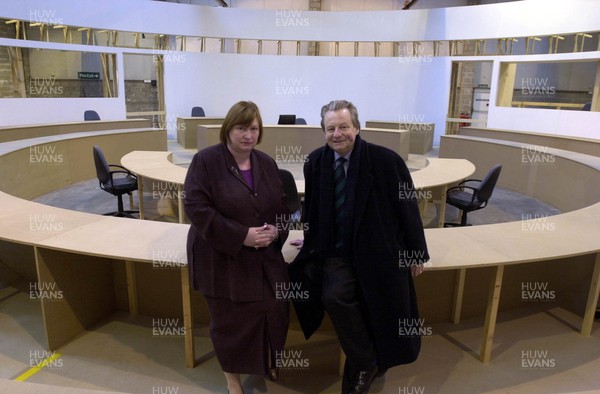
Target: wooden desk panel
38, 166
421, 134
297, 141
586, 146
13, 133
187, 126
566, 180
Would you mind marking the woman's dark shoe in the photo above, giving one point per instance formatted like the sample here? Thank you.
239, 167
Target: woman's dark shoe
274, 374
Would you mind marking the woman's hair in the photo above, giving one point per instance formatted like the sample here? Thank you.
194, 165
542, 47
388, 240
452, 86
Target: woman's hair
241, 113
337, 105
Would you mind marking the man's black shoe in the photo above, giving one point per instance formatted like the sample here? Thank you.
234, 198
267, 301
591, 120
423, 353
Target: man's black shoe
362, 381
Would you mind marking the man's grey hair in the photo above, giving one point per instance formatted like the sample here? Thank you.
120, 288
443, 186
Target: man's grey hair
337, 105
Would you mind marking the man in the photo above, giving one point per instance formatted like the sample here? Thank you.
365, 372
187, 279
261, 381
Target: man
363, 243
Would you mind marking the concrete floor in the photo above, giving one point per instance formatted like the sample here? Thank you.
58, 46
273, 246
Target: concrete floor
537, 348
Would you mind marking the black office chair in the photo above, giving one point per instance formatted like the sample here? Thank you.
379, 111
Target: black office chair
91, 115
198, 112
474, 197
587, 107
289, 188
300, 121
115, 185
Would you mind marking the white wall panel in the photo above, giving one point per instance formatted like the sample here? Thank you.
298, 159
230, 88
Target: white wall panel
23, 111
513, 19
381, 88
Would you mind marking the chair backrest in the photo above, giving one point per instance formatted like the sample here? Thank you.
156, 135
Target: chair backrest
300, 121
486, 187
102, 168
287, 119
198, 112
587, 107
289, 187
91, 115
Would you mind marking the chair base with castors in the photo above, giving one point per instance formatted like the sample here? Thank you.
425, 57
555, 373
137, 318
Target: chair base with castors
121, 212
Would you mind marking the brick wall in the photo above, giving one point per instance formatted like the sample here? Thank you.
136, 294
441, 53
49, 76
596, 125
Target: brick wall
141, 96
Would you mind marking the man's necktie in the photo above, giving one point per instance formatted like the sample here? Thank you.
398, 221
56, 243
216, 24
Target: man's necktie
339, 181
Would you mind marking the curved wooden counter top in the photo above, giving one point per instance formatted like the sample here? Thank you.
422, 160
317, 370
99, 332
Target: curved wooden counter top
439, 173
158, 165
91, 243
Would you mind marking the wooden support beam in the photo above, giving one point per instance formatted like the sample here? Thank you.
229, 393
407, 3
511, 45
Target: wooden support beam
592, 301
506, 84
131, 288
489, 326
459, 289
530, 44
596, 91
188, 318
15, 55
553, 47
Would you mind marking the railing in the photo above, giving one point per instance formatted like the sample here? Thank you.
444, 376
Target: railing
530, 104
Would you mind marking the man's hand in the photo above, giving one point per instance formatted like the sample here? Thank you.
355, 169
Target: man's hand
298, 243
417, 270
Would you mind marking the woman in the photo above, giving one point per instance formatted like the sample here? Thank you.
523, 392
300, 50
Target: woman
234, 200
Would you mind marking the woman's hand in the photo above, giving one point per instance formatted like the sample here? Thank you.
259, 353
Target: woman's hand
261, 237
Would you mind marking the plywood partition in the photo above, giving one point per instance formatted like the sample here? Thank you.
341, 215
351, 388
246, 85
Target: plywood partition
559, 178
282, 142
586, 146
421, 134
43, 165
76, 292
187, 127
12, 133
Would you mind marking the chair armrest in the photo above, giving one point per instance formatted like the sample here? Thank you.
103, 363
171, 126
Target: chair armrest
127, 172
469, 180
121, 167
475, 191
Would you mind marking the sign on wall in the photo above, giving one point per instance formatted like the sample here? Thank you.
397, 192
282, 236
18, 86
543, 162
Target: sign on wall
88, 75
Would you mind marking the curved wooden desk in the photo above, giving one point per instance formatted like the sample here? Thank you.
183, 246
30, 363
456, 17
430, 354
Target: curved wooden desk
76, 251
587, 146
13, 133
438, 174
495, 245
81, 254
156, 166
500, 245
548, 174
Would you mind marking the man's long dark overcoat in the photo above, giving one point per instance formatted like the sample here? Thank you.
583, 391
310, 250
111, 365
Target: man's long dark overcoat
386, 237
